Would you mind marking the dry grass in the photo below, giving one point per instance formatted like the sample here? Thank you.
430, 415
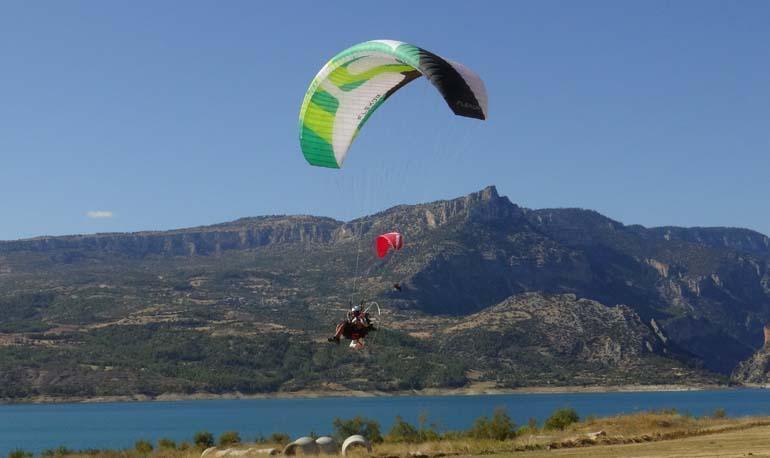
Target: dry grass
639, 428
444, 447
193, 453
752, 441
661, 426
643, 434
651, 422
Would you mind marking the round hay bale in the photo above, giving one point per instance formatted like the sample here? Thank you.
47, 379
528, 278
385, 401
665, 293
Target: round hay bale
327, 445
353, 441
305, 444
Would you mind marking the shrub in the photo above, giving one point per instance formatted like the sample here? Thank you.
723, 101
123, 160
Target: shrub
426, 433
479, 428
524, 431
280, 438
561, 419
58, 451
167, 443
402, 432
184, 446
142, 446
19, 453
719, 413
530, 428
370, 429
229, 438
499, 427
454, 435
664, 423
203, 439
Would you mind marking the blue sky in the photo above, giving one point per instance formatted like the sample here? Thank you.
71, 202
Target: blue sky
174, 114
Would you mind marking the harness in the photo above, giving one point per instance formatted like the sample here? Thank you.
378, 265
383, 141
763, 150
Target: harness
357, 326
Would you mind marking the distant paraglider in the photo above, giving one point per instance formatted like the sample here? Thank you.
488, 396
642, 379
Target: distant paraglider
387, 242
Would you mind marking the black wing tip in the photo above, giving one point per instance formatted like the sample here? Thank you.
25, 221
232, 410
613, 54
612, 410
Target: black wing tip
469, 110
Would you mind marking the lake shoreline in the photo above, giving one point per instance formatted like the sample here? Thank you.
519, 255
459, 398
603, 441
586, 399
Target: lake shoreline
121, 425
332, 393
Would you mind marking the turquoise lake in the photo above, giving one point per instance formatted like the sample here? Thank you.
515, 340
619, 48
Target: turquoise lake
119, 425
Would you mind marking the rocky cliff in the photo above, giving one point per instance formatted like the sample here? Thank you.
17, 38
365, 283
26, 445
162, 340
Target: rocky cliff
756, 369
246, 233
576, 341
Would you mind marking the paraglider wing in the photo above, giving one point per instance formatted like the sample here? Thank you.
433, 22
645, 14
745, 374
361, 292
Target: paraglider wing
386, 242
355, 82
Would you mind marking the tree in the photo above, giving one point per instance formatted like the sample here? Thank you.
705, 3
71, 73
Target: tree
229, 438
167, 443
280, 438
402, 432
143, 447
203, 439
499, 427
370, 429
561, 418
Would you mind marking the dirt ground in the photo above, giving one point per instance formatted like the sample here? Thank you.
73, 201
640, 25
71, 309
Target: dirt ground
753, 442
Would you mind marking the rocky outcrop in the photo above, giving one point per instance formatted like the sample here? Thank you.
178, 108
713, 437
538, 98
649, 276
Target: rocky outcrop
573, 333
736, 239
482, 206
756, 369
579, 328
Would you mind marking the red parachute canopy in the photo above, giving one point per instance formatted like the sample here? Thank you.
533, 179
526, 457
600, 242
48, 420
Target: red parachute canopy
387, 242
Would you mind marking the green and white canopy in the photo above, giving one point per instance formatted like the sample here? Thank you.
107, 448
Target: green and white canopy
356, 81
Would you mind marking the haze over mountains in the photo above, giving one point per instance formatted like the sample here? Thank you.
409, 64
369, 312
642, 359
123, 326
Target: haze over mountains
493, 295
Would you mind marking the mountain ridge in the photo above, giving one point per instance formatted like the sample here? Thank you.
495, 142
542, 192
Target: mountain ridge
701, 295
489, 193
